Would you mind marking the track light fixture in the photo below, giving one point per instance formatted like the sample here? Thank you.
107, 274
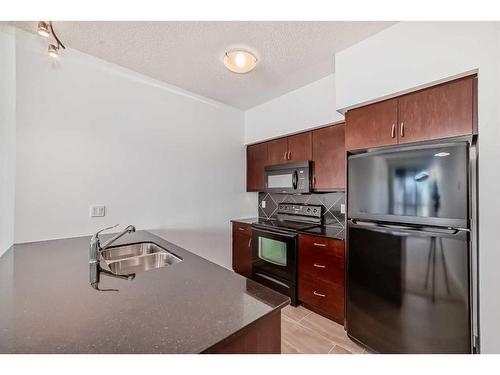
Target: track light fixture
46, 29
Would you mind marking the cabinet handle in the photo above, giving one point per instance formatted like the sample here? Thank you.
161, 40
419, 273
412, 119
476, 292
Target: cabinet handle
289, 155
319, 265
393, 131
402, 130
319, 294
240, 228
250, 242
284, 156
319, 244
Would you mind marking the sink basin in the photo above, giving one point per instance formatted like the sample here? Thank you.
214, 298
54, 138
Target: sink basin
127, 251
138, 257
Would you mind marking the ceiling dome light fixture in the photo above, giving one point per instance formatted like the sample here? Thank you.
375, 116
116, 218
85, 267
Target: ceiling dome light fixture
240, 61
46, 29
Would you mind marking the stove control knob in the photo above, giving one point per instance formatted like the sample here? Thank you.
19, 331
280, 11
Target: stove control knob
315, 210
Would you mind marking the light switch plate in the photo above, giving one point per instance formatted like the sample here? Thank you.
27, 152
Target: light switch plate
342, 208
97, 210
263, 204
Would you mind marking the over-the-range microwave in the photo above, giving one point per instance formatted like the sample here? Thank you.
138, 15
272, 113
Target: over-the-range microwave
289, 178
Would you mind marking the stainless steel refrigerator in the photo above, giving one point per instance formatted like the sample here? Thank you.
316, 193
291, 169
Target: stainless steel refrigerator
411, 261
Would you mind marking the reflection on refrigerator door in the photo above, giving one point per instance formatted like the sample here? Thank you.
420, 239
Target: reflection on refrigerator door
408, 291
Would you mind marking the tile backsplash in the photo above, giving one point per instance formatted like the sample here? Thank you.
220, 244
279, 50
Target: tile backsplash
331, 202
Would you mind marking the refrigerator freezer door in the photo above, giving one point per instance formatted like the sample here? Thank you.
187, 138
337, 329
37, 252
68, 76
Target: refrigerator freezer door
408, 290
426, 185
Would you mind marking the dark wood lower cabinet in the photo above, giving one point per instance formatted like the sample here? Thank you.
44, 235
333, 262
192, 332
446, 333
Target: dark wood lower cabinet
262, 337
242, 249
321, 276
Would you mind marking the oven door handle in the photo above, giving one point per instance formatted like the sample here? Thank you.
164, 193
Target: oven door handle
258, 230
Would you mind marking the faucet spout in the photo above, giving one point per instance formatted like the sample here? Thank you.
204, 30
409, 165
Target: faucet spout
128, 229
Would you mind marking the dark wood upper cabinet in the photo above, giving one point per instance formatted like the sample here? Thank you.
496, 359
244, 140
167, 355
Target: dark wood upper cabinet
372, 126
437, 112
442, 111
300, 147
328, 155
278, 150
256, 160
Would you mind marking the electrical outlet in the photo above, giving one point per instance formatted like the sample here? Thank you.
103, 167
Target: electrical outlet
342, 208
97, 210
263, 204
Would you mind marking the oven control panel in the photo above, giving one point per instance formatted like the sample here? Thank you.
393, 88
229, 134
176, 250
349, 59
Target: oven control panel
310, 210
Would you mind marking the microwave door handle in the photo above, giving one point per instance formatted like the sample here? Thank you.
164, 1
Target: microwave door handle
295, 180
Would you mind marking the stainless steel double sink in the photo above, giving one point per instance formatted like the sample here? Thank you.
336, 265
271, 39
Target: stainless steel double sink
138, 257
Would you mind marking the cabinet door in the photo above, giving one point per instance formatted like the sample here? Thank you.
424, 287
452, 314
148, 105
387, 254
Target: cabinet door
278, 149
242, 253
256, 160
300, 147
329, 158
372, 126
437, 112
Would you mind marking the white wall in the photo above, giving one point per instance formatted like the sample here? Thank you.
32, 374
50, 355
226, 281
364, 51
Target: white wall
414, 54
90, 132
7, 135
308, 107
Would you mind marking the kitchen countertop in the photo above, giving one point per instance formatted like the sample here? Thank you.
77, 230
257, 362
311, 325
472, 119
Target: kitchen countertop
337, 233
48, 306
249, 220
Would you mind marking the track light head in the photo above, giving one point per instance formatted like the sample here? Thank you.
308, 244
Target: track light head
53, 50
43, 29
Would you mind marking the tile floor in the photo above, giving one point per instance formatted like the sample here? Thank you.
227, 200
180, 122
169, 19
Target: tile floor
305, 332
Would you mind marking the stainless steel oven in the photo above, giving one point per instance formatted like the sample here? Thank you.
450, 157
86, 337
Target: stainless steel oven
294, 178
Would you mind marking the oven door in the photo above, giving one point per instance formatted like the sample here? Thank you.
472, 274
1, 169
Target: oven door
274, 254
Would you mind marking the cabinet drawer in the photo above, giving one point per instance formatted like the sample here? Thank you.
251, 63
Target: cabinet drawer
321, 245
326, 297
242, 229
320, 264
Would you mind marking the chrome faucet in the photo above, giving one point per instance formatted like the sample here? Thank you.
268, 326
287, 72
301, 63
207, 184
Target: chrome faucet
95, 249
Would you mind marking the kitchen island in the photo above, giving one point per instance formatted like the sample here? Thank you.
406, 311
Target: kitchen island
195, 306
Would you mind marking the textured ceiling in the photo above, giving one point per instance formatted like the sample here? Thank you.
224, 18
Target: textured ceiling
189, 54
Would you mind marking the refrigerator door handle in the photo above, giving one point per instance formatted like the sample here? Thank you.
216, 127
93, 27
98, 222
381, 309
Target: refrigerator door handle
425, 231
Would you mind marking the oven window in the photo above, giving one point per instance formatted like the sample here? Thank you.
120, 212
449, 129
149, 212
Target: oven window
272, 251
280, 181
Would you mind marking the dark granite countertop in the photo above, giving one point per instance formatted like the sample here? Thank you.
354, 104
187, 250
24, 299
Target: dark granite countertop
337, 233
48, 306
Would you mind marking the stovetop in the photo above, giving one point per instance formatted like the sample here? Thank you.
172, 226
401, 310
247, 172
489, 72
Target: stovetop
288, 225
